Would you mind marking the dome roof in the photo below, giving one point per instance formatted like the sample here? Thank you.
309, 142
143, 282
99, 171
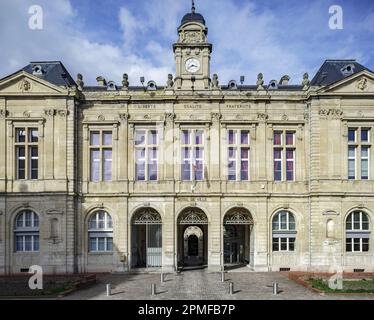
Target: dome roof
193, 17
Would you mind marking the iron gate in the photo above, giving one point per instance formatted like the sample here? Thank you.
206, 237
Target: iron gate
147, 229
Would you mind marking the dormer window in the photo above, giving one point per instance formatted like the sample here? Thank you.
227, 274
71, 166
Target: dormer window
151, 85
111, 86
37, 70
232, 85
273, 84
348, 70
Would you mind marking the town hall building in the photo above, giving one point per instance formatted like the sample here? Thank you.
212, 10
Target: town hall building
189, 173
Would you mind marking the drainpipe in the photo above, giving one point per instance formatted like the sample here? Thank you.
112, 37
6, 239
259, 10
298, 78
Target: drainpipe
310, 187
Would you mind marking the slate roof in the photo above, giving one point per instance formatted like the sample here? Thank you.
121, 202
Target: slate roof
193, 17
53, 71
331, 71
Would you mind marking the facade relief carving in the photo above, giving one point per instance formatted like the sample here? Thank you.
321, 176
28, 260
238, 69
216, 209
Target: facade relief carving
25, 86
3, 113
330, 113
362, 84
262, 117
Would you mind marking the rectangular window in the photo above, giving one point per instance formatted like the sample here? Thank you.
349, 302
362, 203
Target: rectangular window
352, 135
192, 154
352, 163
284, 155
357, 244
238, 155
100, 155
359, 148
146, 155
364, 163
27, 157
284, 243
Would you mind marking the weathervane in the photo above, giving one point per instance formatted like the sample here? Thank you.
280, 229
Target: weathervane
193, 7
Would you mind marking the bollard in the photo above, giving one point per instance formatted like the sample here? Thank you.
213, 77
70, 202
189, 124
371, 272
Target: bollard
231, 287
153, 288
222, 276
108, 289
275, 288
162, 277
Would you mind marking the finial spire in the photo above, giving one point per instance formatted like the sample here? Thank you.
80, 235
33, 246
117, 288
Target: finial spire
193, 7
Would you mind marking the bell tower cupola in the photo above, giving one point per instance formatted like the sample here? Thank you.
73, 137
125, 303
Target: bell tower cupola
192, 53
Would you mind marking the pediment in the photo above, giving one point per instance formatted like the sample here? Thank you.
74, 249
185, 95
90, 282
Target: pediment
23, 83
359, 83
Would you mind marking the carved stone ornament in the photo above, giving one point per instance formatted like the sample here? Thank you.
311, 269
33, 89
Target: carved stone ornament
124, 116
50, 112
284, 117
216, 116
101, 117
27, 114
362, 84
54, 211
3, 113
25, 85
332, 113
147, 117
169, 116
63, 113
262, 116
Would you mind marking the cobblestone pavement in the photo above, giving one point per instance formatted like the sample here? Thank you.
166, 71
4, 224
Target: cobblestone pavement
200, 285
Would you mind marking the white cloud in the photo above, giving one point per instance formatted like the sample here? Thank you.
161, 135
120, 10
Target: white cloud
246, 40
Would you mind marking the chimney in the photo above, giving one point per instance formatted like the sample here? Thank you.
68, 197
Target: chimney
284, 80
101, 81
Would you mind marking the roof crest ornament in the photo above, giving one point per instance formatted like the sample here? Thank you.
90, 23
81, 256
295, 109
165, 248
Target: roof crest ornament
193, 7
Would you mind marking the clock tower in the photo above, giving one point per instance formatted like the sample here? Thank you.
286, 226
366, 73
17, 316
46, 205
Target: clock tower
192, 53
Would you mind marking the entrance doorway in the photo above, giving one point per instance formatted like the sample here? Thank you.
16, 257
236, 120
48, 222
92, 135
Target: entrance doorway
237, 234
192, 238
146, 239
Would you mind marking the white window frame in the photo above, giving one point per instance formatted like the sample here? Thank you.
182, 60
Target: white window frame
358, 145
283, 233
27, 145
237, 146
101, 147
357, 233
106, 232
192, 146
147, 154
24, 231
284, 147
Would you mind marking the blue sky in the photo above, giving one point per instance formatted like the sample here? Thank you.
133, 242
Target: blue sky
111, 37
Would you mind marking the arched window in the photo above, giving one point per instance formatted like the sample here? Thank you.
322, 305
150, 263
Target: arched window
100, 232
284, 231
26, 231
357, 232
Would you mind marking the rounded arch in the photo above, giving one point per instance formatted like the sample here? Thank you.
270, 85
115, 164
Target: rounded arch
146, 215
366, 210
90, 211
192, 215
251, 211
17, 209
298, 217
193, 230
140, 207
238, 215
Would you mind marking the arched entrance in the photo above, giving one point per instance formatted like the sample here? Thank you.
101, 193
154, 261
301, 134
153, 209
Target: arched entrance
146, 239
192, 238
237, 237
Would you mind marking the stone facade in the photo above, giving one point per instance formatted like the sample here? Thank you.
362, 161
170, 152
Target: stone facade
320, 197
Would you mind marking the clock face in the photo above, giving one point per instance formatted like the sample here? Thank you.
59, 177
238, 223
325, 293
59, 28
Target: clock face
192, 65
